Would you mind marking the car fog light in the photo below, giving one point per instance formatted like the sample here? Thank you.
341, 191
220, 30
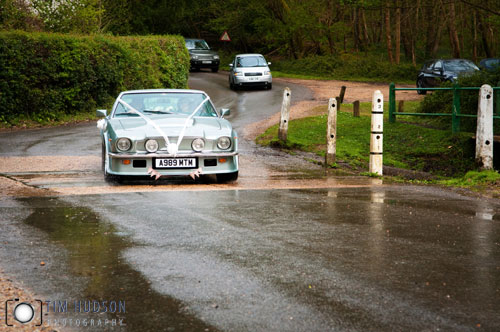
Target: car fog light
224, 143
198, 144
123, 144
151, 145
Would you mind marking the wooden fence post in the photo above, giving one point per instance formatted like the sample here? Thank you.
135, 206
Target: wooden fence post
377, 130
285, 115
342, 93
331, 135
484, 131
401, 106
355, 109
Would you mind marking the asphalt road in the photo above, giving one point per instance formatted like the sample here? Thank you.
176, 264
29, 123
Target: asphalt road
351, 254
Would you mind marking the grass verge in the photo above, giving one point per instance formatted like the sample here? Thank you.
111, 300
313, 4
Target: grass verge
412, 143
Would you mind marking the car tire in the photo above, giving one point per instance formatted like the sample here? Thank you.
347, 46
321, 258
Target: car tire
215, 69
227, 177
231, 85
270, 86
107, 177
420, 85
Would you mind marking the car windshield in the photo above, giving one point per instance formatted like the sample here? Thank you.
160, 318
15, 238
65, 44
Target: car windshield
492, 63
164, 104
459, 66
196, 44
251, 61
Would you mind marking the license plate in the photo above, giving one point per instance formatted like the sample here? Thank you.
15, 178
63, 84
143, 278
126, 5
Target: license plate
175, 163
206, 61
252, 78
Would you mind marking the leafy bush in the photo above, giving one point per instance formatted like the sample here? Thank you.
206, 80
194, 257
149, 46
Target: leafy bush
44, 76
441, 101
348, 66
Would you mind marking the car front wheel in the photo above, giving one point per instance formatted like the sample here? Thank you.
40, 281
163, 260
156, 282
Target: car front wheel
215, 69
227, 177
107, 177
420, 85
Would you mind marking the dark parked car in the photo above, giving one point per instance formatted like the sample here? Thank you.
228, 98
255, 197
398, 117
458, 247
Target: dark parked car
436, 71
201, 55
490, 64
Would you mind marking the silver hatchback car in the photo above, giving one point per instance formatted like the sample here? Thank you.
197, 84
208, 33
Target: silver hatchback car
250, 70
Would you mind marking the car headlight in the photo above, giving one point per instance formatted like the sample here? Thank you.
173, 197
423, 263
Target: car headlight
123, 144
236, 73
194, 57
224, 143
198, 144
151, 145
267, 73
216, 57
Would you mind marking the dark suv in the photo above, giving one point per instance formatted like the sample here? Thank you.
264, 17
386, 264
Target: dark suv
434, 72
201, 55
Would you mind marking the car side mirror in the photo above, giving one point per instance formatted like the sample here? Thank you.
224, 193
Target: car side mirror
101, 113
231, 65
268, 63
224, 112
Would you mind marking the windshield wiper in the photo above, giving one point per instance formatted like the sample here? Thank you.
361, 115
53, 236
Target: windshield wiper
158, 112
127, 113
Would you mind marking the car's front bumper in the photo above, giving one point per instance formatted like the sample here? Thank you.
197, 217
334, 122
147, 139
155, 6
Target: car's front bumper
205, 63
139, 164
263, 80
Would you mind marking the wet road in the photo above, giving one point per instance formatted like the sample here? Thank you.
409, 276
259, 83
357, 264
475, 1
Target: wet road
354, 254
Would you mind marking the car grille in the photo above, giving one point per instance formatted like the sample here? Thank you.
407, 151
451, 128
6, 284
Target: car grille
253, 74
205, 57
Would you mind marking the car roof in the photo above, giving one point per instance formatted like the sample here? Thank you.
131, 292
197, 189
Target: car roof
248, 54
162, 91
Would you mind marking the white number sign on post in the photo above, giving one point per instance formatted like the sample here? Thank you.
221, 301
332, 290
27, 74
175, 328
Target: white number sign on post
484, 131
377, 130
285, 114
331, 134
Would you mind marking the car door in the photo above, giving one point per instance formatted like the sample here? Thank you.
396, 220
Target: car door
435, 75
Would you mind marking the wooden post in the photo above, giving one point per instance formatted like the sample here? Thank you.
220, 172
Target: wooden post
342, 93
484, 131
338, 103
401, 106
285, 115
377, 130
331, 135
355, 109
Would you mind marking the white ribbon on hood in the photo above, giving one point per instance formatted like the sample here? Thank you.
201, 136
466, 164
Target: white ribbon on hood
171, 148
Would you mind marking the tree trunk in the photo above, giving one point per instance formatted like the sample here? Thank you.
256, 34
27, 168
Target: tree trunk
388, 38
365, 27
474, 36
398, 32
484, 36
455, 44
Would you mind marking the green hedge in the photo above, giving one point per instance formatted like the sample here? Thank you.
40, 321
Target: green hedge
44, 76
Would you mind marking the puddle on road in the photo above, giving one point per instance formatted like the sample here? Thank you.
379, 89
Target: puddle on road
94, 252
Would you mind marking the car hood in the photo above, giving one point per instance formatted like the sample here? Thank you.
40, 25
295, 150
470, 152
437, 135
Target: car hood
460, 72
253, 69
137, 128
